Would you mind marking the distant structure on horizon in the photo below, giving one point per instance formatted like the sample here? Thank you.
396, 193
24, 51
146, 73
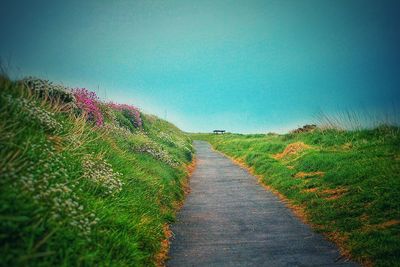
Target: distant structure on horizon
305, 128
219, 131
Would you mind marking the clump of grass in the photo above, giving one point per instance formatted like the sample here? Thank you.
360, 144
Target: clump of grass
73, 192
100, 172
357, 120
348, 182
47, 89
131, 113
141, 143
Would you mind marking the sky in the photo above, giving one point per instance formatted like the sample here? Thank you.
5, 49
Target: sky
243, 66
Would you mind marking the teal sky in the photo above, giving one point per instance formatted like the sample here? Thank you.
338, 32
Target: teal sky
243, 66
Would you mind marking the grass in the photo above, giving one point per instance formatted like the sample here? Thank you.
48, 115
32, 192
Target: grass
346, 182
75, 194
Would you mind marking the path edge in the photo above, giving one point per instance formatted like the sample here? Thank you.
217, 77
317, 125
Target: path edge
162, 256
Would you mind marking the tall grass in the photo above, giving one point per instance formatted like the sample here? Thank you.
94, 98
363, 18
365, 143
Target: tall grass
348, 119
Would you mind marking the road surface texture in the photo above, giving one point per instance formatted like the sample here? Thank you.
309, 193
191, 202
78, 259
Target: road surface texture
230, 220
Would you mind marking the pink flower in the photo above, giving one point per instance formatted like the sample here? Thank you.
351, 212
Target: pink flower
134, 112
87, 101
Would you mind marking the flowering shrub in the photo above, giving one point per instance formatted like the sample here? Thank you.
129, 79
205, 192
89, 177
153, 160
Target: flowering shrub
46, 88
131, 112
100, 172
33, 112
87, 101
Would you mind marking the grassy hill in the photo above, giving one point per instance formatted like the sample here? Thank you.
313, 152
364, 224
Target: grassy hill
345, 183
84, 183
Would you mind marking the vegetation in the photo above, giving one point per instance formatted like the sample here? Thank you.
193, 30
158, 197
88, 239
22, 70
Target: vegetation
347, 183
82, 182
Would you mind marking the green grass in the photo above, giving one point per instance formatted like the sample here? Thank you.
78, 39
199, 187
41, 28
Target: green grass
355, 203
57, 211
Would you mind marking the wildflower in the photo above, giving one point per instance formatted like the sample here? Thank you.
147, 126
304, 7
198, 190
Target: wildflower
155, 150
50, 189
88, 102
131, 112
45, 88
101, 173
42, 116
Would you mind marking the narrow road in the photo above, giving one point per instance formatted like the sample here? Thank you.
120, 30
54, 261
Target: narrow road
230, 220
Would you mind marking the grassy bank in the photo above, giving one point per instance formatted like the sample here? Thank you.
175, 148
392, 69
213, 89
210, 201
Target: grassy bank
84, 183
346, 182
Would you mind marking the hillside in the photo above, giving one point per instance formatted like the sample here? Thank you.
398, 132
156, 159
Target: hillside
83, 182
346, 184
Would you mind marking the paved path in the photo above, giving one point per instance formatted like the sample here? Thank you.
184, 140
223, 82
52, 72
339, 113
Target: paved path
230, 220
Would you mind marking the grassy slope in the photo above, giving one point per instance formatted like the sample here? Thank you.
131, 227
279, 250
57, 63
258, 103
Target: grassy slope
354, 201
55, 209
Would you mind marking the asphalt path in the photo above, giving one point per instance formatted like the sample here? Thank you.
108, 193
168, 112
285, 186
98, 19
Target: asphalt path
228, 219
